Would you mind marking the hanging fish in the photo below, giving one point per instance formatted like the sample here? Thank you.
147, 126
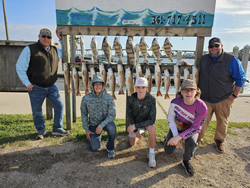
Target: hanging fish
148, 76
186, 74
92, 73
85, 77
112, 82
144, 49
158, 79
167, 83
167, 47
67, 77
138, 71
94, 48
103, 74
156, 50
82, 47
129, 82
121, 78
107, 50
118, 49
195, 73
177, 79
131, 52
76, 80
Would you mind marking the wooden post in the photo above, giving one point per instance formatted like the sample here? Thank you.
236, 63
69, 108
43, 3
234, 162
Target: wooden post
72, 60
199, 51
49, 111
236, 51
68, 96
245, 57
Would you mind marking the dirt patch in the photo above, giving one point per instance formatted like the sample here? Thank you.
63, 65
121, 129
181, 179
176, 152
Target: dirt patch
74, 165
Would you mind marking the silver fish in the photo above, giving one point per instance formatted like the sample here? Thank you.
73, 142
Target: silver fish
156, 50
144, 49
148, 76
177, 79
112, 82
167, 83
67, 77
138, 71
85, 77
107, 49
103, 74
167, 47
82, 47
92, 73
129, 82
195, 74
186, 74
121, 78
158, 79
94, 48
118, 49
131, 52
76, 80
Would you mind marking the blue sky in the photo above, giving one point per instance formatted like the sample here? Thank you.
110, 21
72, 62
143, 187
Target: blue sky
27, 17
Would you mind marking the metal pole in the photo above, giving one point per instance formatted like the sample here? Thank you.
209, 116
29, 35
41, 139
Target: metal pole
6, 22
236, 51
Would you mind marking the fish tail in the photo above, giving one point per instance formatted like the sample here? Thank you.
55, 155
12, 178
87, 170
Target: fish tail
145, 61
86, 91
114, 96
70, 90
166, 96
158, 93
158, 62
121, 92
105, 90
78, 93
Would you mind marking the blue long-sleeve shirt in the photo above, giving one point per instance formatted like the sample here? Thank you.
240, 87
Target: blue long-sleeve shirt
22, 64
236, 70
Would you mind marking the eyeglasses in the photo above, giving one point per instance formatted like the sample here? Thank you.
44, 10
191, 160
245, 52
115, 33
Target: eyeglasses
212, 46
44, 36
188, 90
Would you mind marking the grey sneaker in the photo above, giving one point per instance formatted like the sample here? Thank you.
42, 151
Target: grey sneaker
111, 153
151, 161
60, 132
40, 134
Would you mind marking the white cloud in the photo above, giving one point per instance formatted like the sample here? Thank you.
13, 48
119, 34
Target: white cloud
233, 7
238, 30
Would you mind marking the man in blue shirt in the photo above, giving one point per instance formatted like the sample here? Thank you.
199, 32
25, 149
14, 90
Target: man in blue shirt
37, 69
220, 81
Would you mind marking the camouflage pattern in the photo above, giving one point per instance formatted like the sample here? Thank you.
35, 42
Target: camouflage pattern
142, 112
97, 110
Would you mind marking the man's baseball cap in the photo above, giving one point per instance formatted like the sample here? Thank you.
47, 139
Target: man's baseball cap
45, 32
214, 40
188, 84
141, 82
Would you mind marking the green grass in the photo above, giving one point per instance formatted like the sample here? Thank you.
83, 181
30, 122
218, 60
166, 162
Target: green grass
19, 129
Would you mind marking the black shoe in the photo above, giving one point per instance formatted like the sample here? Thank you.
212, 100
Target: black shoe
60, 132
40, 134
188, 168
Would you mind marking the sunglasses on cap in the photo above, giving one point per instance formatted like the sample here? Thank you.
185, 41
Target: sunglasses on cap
212, 46
44, 36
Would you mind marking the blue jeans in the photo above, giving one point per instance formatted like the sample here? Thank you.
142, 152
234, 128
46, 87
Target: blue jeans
37, 96
190, 146
95, 142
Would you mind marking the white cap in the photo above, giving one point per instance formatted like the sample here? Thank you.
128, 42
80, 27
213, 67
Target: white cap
141, 82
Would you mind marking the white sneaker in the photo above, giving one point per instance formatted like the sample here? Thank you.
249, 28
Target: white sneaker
151, 162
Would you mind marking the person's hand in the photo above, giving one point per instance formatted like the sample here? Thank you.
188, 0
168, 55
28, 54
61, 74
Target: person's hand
30, 87
231, 97
175, 141
88, 135
58, 35
130, 128
185, 63
179, 144
138, 135
98, 130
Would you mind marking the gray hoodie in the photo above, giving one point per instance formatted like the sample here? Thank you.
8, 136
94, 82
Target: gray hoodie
97, 110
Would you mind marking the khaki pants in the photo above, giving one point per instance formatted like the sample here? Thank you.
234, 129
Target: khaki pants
222, 111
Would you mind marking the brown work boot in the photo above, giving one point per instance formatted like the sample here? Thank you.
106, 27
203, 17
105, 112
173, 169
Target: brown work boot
219, 146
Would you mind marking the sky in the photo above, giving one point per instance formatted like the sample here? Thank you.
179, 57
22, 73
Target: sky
26, 18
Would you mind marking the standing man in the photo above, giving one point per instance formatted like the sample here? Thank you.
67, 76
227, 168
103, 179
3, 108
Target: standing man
37, 69
98, 113
141, 108
221, 79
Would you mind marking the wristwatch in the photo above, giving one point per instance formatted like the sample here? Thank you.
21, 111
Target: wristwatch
135, 130
235, 95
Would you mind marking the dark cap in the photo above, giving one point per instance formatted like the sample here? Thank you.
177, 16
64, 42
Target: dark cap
188, 84
214, 40
45, 32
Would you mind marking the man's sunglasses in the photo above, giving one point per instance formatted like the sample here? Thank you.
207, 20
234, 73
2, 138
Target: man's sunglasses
44, 36
212, 46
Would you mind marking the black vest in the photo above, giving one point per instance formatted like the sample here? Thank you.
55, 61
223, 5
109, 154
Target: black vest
43, 65
216, 82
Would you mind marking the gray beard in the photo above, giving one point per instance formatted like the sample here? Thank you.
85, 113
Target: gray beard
216, 54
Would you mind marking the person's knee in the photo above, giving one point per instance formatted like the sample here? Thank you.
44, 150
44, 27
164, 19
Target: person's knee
94, 146
111, 128
169, 149
132, 141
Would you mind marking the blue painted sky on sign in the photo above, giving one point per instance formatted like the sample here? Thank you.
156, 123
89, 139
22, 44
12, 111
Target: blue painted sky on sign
27, 17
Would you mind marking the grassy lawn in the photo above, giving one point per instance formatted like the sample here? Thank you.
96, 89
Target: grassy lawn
19, 129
